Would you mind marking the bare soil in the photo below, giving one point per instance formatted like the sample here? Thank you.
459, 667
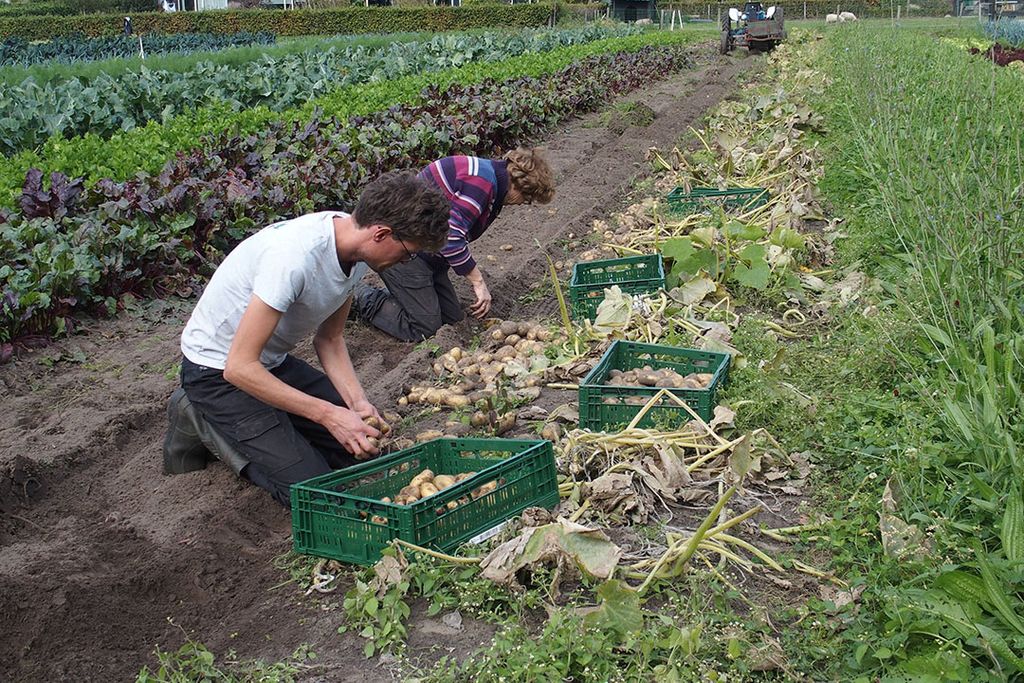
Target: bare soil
102, 558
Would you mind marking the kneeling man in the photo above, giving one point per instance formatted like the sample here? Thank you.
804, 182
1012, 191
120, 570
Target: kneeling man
275, 419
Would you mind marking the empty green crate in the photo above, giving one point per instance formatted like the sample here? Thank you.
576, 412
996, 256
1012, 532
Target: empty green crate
597, 415
340, 515
703, 198
633, 275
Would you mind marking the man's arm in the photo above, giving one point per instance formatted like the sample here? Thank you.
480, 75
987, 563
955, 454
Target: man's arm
244, 370
330, 346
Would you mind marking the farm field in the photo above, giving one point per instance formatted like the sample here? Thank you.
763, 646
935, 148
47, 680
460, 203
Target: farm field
850, 510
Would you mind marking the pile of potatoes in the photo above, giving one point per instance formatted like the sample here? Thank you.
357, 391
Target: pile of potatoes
663, 377
426, 484
509, 350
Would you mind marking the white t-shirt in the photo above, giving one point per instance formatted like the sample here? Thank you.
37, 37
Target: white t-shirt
293, 267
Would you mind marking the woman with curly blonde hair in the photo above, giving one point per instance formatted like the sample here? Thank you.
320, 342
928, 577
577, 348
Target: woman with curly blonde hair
420, 297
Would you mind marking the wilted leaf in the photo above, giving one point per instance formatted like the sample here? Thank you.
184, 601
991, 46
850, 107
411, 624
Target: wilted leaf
740, 460
563, 543
619, 610
724, 417
899, 539
389, 571
614, 494
614, 312
694, 291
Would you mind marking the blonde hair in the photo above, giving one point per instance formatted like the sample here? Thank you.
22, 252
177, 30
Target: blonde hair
529, 172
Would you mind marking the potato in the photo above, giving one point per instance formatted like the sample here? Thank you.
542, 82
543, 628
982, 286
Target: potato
427, 489
543, 334
505, 423
385, 499
484, 490
509, 327
377, 519
484, 358
464, 475
552, 431
497, 334
531, 393
412, 491
378, 424
478, 419
513, 339
470, 370
456, 353
374, 441
505, 352
451, 505
443, 481
401, 443
524, 329
533, 381
428, 435
704, 378
438, 368
422, 477
456, 401
403, 401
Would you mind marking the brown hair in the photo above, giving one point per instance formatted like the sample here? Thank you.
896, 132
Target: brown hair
415, 209
529, 172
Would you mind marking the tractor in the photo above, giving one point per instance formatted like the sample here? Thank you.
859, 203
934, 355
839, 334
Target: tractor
755, 28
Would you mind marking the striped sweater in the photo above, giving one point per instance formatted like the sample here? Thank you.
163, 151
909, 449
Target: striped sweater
476, 189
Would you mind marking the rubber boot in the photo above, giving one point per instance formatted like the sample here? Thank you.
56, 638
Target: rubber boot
183, 449
191, 440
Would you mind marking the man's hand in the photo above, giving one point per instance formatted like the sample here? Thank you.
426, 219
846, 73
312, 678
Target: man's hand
351, 432
365, 409
482, 307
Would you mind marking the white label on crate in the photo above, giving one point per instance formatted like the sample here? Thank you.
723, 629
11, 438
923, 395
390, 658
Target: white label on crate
484, 535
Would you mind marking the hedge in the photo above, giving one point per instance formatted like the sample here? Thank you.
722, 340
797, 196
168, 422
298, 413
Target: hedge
286, 23
63, 7
817, 9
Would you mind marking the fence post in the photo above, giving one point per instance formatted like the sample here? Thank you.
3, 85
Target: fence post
805, 11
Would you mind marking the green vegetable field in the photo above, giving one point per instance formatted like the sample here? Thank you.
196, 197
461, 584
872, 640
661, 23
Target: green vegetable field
749, 382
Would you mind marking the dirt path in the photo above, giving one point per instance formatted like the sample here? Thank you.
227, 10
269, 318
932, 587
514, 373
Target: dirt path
99, 551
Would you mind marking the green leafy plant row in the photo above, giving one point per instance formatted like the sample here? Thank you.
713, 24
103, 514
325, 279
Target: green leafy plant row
32, 112
147, 149
68, 49
291, 23
56, 72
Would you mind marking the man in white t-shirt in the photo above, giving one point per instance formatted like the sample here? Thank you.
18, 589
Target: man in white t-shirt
275, 419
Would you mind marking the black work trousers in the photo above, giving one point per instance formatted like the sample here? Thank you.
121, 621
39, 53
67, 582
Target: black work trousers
418, 301
282, 448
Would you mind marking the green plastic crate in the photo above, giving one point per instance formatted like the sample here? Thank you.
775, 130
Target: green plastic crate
633, 275
598, 416
333, 514
702, 198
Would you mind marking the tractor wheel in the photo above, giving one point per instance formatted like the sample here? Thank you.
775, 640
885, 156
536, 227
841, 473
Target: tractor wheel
726, 44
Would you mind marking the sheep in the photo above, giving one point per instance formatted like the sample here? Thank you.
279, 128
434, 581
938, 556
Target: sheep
831, 18
847, 16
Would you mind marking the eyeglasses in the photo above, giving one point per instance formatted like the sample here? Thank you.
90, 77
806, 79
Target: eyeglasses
412, 256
